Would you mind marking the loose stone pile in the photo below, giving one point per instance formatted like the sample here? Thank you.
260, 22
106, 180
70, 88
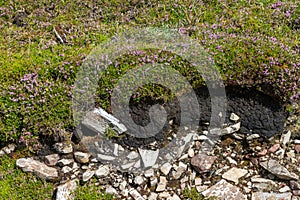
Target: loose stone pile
239, 167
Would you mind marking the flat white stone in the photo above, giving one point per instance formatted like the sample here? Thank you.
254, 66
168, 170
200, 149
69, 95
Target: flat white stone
149, 157
234, 174
165, 168
234, 117
102, 171
64, 191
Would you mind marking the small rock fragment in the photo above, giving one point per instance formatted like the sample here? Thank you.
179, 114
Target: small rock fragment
64, 191
224, 190
102, 171
40, 169
271, 196
275, 168
149, 157
63, 148
274, 148
234, 174
87, 175
234, 117
202, 162
82, 157
135, 194
139, 180
165, 168
285, 138
162, 184
51, 160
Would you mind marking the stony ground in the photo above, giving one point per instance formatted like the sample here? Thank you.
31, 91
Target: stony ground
239, 167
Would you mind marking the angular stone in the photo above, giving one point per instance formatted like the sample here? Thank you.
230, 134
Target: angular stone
64, 191
87, 175
102, 171
152, 196
149, 173
275, 168
297, 148
162, 184
2, 153
234, 174
271, 196
224, 190
9, 149
262, 184
174, 197
38, 168
51, 160
82, 157
63, 148
285, 138
135, 194
110, 190
133, 155
274, 148
111, 119
234, 117
66, 169
139, 180
296, 192
149, 157
295, 185
64, 162
285, 189
165, 168
202, 162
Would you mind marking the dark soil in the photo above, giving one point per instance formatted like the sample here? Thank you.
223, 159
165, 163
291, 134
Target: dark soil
259, 113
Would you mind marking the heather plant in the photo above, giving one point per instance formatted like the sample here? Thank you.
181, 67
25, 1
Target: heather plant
253, 44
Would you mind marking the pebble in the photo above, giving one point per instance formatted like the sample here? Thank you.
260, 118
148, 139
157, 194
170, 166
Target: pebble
274, 148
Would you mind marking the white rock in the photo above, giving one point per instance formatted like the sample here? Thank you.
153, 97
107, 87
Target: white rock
105, 157
234, 117
224, 190
2, 153
174, 197
284, 189
64, 147
139, 180
38, 168
162, 184
275, 168
149, 173
82, 157
234, 174
123, 185
152, 196
102, 171
132, 155
231, 161
149, 157
52, 159
198, 181
66, 169
135, 194
64, 162
165, 168
9, 148
253, 136
64, 191
164, 195
110, 190
285, 138
87, 175
271, 196
191, 153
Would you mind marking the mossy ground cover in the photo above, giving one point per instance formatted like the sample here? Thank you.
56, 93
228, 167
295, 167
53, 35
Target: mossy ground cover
253, 43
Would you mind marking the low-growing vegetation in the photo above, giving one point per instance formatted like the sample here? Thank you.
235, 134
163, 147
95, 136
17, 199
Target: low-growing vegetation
44, 43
